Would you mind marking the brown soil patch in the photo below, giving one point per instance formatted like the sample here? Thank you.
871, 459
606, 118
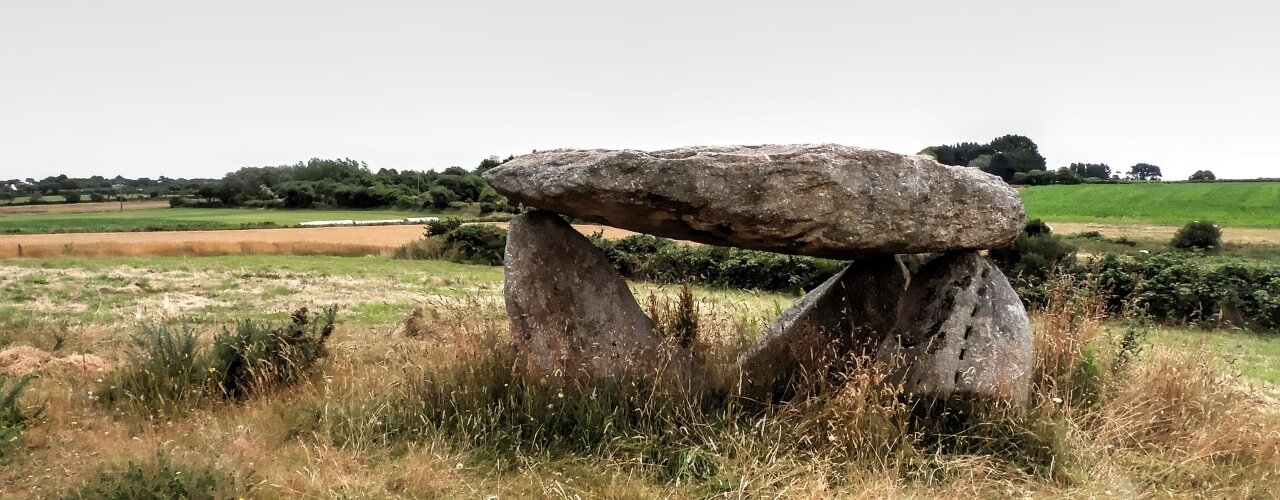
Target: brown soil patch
21, 360
1165, 233
76, 208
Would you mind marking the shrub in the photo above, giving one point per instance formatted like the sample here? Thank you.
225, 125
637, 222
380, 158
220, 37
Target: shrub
478, 243
167, 371
71, 197
99, 198
162, 479
12, 417
431, 248
441, 197
664, 261
1036, 227
260, 356
1031, 260
1198, 235
176, 201
441, 226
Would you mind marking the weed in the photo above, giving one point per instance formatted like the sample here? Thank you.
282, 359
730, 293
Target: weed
170, 371
162, 479
12, 416
258, 356
167, 373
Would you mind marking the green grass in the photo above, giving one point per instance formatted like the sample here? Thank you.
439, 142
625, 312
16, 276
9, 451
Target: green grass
1251, 204
168, 219
1254, 356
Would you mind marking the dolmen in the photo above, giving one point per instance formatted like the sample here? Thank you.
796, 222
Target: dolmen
954, 332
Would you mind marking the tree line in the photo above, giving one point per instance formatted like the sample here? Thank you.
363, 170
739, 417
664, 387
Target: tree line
316, 183
347, 183
1017, 160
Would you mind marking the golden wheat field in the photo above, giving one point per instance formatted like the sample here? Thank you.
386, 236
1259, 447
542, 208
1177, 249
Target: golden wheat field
353, 240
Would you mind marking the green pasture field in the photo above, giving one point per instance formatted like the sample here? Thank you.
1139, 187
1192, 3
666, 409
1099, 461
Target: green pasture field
171, 219
1245, 204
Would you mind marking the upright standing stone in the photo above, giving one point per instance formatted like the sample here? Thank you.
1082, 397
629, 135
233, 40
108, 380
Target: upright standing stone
850, 313
962, 335
572, 316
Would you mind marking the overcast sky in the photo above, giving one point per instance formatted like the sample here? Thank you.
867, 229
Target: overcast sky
188, 89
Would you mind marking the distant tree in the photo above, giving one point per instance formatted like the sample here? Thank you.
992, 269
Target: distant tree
208, 193
1144, 172
71, 196
35, 197
297, 194
1001, 167
97, 197
1065, 175
1094, 170
467, 186
1004, 156
1203, 175
441, 197
487, 164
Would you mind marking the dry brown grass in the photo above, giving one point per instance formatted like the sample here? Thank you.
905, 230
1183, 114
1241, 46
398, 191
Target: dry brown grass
1170, 422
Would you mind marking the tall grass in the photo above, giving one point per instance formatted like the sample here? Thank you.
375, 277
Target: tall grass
1169, 418
161, 479
13, 418
170, 370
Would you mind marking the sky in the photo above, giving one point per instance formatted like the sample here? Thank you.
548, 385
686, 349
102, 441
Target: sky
197, 89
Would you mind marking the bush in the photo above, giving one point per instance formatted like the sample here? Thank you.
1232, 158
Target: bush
256, 357
161, 479
1036, 227
1176, 287
176, 201
430, 248
664, 261
169, 371
449, 239
12, 417
99, 198
1031, 260
441, 226
1198, 235
71, 197
478, 243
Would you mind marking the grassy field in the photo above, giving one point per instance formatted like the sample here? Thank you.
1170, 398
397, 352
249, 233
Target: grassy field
165, 219
1193, 414
1249, 204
